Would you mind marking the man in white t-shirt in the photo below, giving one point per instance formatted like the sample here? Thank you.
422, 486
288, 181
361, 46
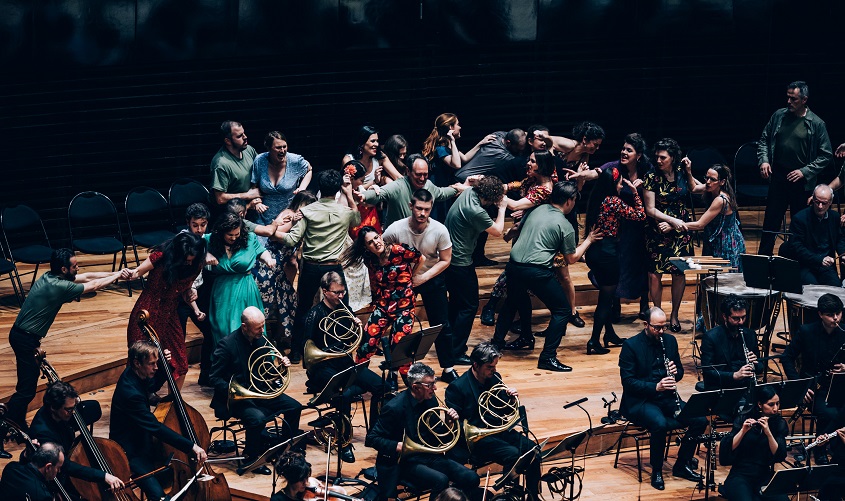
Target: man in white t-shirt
431, 238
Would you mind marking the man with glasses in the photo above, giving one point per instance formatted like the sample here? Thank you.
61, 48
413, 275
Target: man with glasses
649, 395
793, 149
399, 418
319, 375
724, 359
816, 239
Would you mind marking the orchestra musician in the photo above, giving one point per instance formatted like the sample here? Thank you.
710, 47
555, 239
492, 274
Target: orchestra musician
53, 423
299, 484
399, 418
755, 444
728, 360
231, 359
319, 375
133, 426
29, 479
504, 447
821, 347
649, 375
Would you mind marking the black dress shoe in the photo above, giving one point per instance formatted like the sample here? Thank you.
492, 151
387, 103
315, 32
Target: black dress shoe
516, 328
346, 454
675, 327
449, 375
479, 263
488, 315
613, 340
594, 346
462, 360
576, 320
552, 364
521, 343
4, 454
262, 470
657, 480
544, 333
686, 472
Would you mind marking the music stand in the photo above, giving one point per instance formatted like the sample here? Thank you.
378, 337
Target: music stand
836, 393
791, 393
772, 273
518, 466
337, 384
270, 454
408, 350
795, 480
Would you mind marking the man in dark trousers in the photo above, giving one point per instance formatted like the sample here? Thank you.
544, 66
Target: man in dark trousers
729, 351
29, 481
650, 371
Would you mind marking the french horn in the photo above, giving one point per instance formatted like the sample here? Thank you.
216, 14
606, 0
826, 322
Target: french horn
437, 433
341, 336
498, 410
268, 376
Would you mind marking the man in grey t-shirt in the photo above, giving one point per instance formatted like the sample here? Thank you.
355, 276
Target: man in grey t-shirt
431, 238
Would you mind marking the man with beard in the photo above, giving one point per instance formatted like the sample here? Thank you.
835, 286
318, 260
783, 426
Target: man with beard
231, 167
728, 360
56, 287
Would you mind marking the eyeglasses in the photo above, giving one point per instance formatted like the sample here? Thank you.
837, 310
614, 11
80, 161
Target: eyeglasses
657, 327
430, 385
821, 202
341, 292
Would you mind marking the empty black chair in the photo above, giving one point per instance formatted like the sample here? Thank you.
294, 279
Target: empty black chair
147, 215
26, 240
95, 227
184, 192
8, 268
750, 187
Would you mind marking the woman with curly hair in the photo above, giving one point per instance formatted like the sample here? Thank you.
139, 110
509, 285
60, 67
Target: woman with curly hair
234, 251
172, 268
392, 268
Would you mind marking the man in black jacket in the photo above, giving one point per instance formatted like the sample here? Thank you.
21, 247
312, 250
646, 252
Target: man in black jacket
53, 423
231, 359
399, 418
729, 351
29, 480
650, 398
133, 426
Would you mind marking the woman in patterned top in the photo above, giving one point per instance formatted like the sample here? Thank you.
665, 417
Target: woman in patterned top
604, 212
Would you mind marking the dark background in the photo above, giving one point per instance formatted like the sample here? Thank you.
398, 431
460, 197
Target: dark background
110, 94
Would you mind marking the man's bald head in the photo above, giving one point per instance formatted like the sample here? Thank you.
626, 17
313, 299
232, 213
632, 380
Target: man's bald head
822, 198
252, 322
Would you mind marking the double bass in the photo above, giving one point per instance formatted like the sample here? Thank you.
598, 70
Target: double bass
180, 417
100, 453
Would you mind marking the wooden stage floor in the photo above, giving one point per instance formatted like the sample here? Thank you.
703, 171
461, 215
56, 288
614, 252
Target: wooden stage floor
87, 346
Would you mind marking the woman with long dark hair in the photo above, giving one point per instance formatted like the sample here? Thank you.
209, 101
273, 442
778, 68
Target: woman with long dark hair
396, 149
756, 443
605, 210
366, 150
172, 268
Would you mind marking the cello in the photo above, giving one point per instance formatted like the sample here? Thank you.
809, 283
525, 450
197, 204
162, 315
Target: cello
100, 453
188, 422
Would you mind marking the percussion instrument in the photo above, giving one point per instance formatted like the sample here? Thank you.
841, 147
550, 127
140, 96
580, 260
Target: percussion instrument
760, 301
803, 308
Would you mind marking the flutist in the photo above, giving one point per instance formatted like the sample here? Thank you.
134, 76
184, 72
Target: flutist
650, 370
819, 345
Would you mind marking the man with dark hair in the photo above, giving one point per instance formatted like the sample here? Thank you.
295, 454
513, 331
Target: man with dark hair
54, 423
322, 231
30, 481
545, 232
502, 155
399, 419
816, 239
432, 239
650, 368
133, 426
503, 448
792, 151
231, 167
467, 218
729, 351
821, 347
58, 286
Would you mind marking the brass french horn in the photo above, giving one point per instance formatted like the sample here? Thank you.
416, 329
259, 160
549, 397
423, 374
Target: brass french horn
341, 337
268, 376
436, 432
498, 409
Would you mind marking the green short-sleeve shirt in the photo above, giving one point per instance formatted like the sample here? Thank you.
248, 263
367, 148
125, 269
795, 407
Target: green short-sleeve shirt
545, 232
230, 174
465, 221
44, 301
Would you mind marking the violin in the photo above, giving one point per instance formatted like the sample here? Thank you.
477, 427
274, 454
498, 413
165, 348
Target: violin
317, 490
100, 453
188, 422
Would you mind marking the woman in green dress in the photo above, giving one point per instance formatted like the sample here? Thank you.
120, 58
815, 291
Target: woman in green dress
232, 253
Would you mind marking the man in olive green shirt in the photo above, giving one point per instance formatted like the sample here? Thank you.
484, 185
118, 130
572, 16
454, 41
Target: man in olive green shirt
545, 232
231, 167
53, 289
322, 231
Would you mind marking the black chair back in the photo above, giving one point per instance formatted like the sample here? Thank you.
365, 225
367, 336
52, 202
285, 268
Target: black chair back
95, 227
25, 239
147, 215
184, 192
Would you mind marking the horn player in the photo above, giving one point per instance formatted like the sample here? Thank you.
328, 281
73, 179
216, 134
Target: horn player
319, 374
399, 418
505, 447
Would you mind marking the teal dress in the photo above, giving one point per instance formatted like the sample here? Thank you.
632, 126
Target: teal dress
234, 288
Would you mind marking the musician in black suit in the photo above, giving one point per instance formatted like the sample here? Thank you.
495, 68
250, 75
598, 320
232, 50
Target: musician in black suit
821, 348
133, 426
504, 447
399, 417
231, 359
729, 351
649, 396
29, 481
816, 240
53, 423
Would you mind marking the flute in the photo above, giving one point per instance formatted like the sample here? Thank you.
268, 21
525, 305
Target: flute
821, 440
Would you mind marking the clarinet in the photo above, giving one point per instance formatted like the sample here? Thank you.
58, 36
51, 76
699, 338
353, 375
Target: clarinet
753, 382
669, 374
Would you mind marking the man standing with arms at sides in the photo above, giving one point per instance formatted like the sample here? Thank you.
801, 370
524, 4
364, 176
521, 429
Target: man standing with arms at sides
793, 149
56, 287
431, 238
231, 167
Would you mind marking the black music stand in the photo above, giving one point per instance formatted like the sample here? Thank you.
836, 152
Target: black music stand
517, 467
337, 384
836, 393
772, 273
269, 456
791, 393
570, 474
408, 350
796, 480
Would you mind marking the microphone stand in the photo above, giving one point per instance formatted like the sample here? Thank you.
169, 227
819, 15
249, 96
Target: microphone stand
589, 434
612, 415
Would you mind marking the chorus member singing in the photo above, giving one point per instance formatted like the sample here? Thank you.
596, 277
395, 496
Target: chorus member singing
650, 368
366, 150
504, 447
432, 239
172, 266
729, 352
604, 212
30, 481
231, 360
61, 284
545, 233
820, 346
278, 175
133, 426
53, 423
756, 443
399, 418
